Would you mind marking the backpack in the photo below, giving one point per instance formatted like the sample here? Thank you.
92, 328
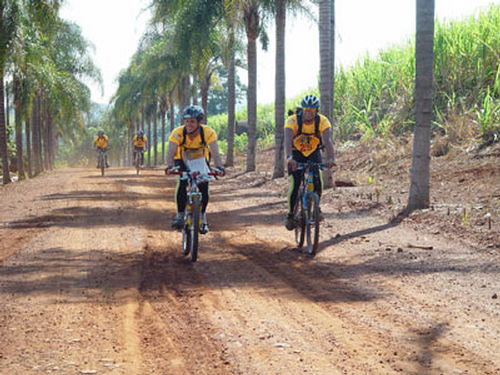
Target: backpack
203, 143
298, 112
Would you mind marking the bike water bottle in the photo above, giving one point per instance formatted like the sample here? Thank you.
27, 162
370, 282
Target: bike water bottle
310, 183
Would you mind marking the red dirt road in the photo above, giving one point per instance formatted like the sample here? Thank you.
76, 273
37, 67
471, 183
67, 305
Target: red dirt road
92, 281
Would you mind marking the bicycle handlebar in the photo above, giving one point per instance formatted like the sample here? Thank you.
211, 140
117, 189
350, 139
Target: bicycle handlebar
193, 174
321, 166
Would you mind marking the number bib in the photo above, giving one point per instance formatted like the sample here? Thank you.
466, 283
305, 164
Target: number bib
193, 153
306, 143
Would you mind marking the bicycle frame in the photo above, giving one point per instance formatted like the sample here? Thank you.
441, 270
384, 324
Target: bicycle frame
309, 207
139, 159
101, 159
192, 216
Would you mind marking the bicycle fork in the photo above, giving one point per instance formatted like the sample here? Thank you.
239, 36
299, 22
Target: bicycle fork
306, 197
189, 209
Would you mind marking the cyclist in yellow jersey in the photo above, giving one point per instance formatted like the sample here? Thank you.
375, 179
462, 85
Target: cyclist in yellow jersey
102, 143
140, 141
305, 132
188, 149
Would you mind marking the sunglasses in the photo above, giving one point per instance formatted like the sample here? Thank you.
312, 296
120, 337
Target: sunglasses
309, 109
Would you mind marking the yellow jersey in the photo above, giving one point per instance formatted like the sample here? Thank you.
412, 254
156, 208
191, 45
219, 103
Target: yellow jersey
101, 142
192, 148
140, 141
307, 142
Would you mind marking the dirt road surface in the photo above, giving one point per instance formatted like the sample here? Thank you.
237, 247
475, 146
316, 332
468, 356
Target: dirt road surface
92, 281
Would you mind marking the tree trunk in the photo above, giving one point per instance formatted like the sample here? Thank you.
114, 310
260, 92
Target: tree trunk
163, 111
205, 86
252, 29
36, 135
7, 112
332, 57
424, 60
19, 127
130, 136
326, 45
193, 90
27, 131
171, 111
155, 134
280, 90
3, 135
185, 100
231, 104
325, 85
51, 152
43, 132
148, 120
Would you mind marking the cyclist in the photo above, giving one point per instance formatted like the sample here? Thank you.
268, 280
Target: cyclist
305, 133
101, 143
188, 149
139, 142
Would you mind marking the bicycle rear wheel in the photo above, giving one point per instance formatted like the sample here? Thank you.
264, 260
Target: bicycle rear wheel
195, 228
300, 221
312, 224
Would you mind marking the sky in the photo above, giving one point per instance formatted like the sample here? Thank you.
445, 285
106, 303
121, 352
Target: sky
115, 27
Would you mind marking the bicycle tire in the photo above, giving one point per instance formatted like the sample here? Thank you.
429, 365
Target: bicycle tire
313, 224
195, 228
137, 164
186, 237
300, 221
101, 163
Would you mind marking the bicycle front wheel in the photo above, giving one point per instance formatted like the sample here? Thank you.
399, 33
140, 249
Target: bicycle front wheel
101, 162
195, 228
300, 221
186, 236
312, 224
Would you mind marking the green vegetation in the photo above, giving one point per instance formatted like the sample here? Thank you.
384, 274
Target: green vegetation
375, 97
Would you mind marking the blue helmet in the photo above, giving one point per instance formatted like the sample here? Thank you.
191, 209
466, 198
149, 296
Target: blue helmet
140, 133
100, 132
193, 111
310, 101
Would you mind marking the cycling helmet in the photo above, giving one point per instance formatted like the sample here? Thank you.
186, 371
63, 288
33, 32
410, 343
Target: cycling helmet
193, 111
310, 101
140, 133
100, 132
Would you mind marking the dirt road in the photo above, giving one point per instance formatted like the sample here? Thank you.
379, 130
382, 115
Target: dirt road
92, 281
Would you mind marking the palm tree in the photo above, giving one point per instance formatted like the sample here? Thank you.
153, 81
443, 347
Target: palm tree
327, 63
251, 17
280, 82
424, 60
9, 11
16, 86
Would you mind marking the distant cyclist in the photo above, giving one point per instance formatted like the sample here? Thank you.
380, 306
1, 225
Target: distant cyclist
188, 149
101, 143
306, 132
139, 142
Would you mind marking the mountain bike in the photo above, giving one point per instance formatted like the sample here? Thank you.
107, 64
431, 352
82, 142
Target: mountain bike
192, 215
306, 211
101, 160
139, 158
